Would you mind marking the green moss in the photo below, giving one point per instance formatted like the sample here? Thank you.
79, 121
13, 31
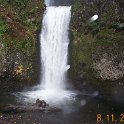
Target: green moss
24, 45
84, 45
109, 37
15, 3
3, 27
91, 37
20, 21
81, 53
24, 21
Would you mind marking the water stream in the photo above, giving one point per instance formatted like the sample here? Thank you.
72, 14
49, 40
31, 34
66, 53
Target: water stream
54, 43
54, 48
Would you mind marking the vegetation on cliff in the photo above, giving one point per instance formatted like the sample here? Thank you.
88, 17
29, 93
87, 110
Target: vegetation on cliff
97, 49
97, 46
20, 21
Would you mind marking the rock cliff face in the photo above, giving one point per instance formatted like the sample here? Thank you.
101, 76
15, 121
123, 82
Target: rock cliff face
97, 47
60, 2
108, 63
20, 22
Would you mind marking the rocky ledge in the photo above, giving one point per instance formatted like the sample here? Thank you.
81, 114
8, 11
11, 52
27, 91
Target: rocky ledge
39, 105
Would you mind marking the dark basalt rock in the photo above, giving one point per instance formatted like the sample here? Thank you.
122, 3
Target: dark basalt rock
40, 105
60, 2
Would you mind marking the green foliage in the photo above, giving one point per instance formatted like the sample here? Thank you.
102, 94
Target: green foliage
109, 37
94, 25
118, 25
3, 27
3, 1
25, 45
25, 19
81, 52
18, 34
20, 3
28, 12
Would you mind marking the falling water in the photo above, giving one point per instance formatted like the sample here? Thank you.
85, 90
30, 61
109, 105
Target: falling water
54, 43
54, 50
54, 47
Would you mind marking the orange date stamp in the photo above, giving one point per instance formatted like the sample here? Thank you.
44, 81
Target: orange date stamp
110, 118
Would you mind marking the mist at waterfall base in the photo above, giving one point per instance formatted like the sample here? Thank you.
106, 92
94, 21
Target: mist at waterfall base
54, 43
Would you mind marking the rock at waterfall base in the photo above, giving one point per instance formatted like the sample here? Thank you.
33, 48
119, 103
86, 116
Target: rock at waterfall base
39, 105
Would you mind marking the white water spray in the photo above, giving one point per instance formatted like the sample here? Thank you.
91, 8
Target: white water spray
54, 47
54, 43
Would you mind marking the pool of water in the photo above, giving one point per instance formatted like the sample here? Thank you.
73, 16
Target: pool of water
86, 109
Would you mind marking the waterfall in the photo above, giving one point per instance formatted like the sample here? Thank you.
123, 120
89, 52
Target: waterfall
54, 47
54, 43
